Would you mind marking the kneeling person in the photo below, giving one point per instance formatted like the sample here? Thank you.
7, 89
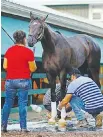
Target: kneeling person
88, 97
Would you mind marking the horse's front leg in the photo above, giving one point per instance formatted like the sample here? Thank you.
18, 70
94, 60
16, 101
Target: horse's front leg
63, 75
52, 82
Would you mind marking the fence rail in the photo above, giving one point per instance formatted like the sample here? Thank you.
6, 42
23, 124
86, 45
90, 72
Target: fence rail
35, 91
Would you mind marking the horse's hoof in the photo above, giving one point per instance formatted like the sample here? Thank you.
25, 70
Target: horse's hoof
51, 121
62, 123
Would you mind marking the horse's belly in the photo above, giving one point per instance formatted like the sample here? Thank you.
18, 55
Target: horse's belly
78, 59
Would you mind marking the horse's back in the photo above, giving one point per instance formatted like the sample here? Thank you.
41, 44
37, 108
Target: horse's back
81, 47
83, 40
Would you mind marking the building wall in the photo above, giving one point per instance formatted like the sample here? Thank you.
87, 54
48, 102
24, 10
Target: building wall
96, 13
92, 12
80, 10
11, 24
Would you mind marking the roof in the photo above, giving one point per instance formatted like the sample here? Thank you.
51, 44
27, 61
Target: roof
67, 21
58, 2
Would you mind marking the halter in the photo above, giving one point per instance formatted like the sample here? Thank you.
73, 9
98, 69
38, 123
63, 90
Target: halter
39, 38
41, 35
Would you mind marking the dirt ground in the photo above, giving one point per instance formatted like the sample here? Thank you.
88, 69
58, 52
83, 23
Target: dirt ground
37, 123
51, 134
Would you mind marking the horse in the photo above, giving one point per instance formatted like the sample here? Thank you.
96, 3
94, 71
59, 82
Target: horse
61, 54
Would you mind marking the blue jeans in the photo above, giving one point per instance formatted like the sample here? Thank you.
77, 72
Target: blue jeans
20, 86
77, 106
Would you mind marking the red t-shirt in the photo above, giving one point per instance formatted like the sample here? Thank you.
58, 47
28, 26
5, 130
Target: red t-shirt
17, 62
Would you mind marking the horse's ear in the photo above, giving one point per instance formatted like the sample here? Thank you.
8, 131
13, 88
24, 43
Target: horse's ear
31, 16
45, 18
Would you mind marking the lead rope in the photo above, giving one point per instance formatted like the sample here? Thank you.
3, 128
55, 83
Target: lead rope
7, 34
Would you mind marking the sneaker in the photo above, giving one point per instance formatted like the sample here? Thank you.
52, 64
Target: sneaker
25, 130
82, 123
3, 129
98, 121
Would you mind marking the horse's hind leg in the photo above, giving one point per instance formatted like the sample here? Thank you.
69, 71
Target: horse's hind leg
83, 68
63, 75
94, 67
95, 75
94, 61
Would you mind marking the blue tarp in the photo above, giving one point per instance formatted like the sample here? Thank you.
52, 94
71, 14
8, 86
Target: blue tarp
13, 24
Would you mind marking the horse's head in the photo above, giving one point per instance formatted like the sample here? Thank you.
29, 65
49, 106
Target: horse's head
36, 29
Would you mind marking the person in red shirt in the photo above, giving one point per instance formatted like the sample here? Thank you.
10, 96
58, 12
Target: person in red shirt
19, 62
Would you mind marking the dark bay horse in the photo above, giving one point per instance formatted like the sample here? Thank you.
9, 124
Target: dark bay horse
61, 54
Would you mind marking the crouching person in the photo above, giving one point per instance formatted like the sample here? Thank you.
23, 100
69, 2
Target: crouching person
84, 94
47, 100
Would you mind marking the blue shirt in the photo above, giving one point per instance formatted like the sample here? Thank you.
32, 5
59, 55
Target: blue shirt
88, 91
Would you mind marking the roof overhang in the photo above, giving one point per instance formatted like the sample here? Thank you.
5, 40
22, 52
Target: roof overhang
56, 18
63, 2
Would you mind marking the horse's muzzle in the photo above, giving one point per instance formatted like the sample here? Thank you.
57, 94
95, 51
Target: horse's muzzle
31, 41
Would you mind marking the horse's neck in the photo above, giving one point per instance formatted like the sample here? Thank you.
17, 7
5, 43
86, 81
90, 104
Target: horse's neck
48, 41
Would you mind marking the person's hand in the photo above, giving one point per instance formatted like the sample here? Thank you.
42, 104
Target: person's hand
68, 106
59, 106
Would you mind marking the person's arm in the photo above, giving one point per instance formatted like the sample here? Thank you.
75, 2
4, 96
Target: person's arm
31, 61
32, 66
5, 63
65, 101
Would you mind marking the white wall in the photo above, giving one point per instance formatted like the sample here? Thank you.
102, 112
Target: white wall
96, 13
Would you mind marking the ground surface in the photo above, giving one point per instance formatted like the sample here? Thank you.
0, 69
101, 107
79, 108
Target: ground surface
37, 123
50, 134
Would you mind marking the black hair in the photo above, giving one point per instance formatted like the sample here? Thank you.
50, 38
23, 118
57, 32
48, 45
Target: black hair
75, 72
19, 36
